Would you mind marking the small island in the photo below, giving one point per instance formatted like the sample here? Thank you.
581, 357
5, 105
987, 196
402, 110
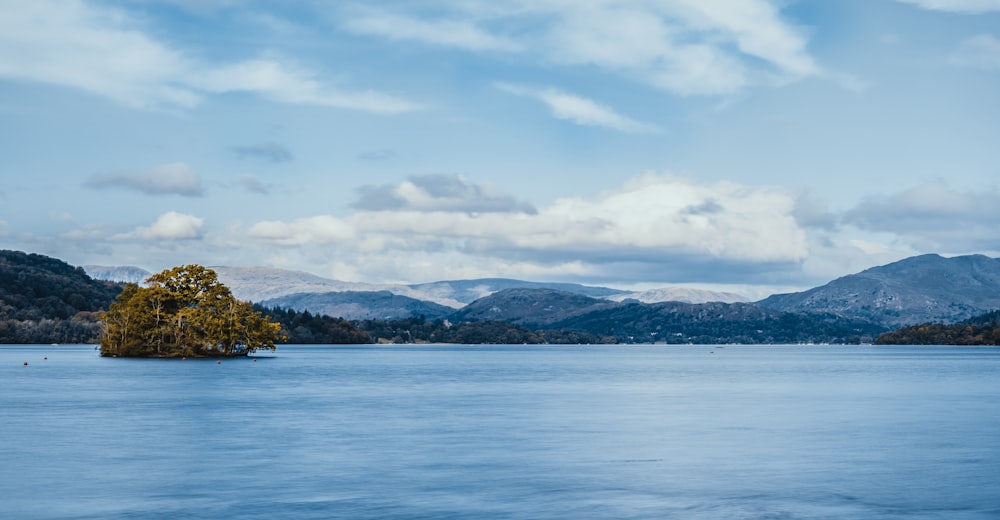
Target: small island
184, 312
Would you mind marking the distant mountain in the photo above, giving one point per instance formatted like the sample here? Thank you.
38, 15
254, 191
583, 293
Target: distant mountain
258, 284
530, 307
670, 322
468, 291
679, 294
123, 273
920, 289
263, 283
927, 288
358, 305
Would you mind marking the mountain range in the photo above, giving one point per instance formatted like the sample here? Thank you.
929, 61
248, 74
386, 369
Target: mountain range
353, 300
926, 288
919, 289
45, 299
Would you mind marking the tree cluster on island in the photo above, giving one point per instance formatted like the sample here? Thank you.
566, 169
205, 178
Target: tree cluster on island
184, 312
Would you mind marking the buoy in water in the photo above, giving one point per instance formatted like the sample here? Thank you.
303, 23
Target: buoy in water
46, 358
218, 362
254, 360
25, 363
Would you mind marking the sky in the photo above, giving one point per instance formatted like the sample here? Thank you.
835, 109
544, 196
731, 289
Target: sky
758, 146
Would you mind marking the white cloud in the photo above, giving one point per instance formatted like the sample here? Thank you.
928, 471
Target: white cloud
464, 34
428, 193
169, 226
981, 51
758, 30
579, 110
685, 46
287, 83
88, 233
69, 43
957, 6
103, 51
682, 46
654, 222
165, 179
313, 230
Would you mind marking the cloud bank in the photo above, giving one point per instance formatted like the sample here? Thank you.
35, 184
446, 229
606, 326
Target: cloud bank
165, 179
444, 193
169, 226
647, 224
934, 217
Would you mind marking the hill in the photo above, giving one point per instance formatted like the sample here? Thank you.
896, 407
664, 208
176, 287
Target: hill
665, 322
468, 291
978, 330
45, 300
354, 305
258, 284
530, 307
920, 289
716, 322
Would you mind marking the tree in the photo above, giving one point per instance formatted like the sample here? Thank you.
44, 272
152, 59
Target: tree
184, 311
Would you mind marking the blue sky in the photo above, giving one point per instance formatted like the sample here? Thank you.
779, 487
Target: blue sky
752, 145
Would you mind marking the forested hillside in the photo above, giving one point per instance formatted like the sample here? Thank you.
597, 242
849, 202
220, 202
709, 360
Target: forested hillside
678, 323
980, 330
358, 305
420, 330
45, 300
666, 322
305, 328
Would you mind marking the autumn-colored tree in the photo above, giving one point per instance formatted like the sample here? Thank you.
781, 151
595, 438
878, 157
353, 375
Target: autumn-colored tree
184, 311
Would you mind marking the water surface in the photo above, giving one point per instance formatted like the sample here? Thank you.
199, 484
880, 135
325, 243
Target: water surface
504, 432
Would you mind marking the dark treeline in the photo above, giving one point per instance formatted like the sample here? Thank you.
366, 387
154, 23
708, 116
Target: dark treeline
980, 330
420, 330
715, 323
303, 327
82, 328
45, 300
306, 328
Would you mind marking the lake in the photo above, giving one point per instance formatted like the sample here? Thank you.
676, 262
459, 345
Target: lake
500, 432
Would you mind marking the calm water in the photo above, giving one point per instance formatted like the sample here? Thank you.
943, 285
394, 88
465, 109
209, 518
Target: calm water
504, 432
